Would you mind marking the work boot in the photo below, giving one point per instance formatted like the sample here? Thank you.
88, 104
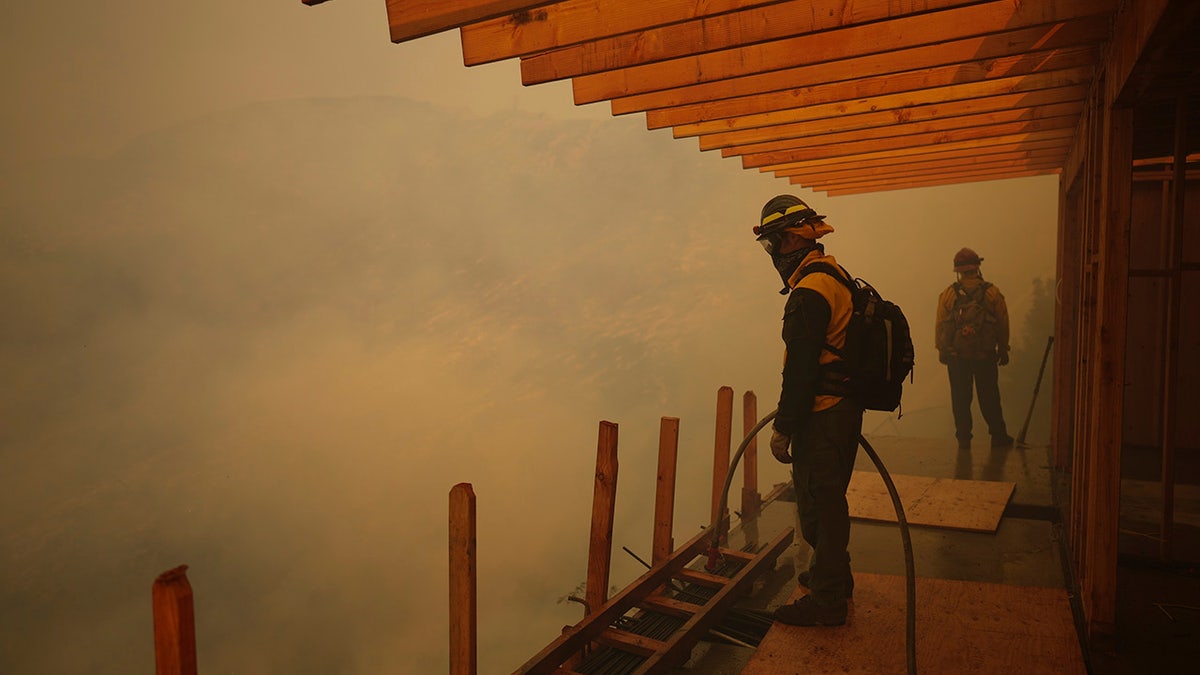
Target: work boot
806, 612
1001, 442
806, 576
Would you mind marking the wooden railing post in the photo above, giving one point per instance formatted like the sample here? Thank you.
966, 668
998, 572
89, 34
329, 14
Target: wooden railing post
721, 458
664, 496
604, 502
174, 623
464, 658
751, 499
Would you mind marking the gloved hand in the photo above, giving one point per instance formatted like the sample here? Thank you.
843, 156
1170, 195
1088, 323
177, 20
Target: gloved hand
943, 357
779, 446
1003, 358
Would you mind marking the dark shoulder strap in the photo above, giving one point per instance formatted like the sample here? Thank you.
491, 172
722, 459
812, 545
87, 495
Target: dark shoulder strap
826, 268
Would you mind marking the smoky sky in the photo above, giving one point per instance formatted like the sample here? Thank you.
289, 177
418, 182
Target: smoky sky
273, 299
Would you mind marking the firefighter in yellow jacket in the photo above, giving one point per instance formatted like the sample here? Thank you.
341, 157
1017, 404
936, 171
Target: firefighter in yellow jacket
816, 421
972, 340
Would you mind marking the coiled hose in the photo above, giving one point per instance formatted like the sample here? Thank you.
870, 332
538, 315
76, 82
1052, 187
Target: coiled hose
910, 586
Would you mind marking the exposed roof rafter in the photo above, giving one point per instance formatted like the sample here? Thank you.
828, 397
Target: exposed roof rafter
843, 97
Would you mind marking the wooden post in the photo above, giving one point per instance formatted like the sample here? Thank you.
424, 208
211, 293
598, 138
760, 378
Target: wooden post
174, 623
464, 606
751, 499
604, 502
721, 458
664, 496
1108, 375
1171, 343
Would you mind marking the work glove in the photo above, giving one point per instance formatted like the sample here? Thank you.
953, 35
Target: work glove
1003, 358
779, 446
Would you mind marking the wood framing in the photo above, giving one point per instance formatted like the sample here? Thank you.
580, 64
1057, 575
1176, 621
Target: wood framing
873, 95
604, 503
664, 494
174, 623
464, 602
721, 449
905, 31
410, 19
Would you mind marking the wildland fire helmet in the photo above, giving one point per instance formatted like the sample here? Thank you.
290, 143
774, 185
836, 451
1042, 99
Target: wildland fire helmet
786, 213
966, 260
778, 215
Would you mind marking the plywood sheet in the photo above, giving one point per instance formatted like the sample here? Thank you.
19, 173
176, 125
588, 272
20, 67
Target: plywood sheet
974, 505
962, 627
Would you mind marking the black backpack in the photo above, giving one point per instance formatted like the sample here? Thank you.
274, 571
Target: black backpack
878, 353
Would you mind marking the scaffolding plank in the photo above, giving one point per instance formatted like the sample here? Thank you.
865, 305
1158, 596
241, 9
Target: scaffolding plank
974, 505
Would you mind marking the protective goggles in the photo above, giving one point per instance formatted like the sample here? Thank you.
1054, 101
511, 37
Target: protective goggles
770, 232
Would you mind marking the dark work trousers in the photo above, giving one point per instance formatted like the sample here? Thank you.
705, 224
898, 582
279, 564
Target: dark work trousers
822, 461
983, 373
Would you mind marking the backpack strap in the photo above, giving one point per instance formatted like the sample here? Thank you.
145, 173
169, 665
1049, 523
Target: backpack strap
833, 378
825, 268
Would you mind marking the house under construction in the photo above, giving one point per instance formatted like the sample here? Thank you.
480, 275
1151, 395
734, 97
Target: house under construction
854, 96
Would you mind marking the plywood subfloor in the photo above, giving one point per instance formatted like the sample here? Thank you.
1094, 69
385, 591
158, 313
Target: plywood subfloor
974, 505
962, 627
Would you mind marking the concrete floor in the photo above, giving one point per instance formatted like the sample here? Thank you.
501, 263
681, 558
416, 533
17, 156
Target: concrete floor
1025, 549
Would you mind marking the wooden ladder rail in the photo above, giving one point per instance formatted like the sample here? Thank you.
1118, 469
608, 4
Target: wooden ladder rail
660, 655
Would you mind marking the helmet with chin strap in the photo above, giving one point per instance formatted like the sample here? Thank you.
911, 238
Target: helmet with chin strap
779, 214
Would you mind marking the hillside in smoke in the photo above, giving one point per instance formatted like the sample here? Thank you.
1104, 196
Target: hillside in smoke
267, 342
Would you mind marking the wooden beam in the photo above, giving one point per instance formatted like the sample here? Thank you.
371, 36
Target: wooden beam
932, 126
604, 502
1041, 139
981, 170
1108, 344
664, 495
630, 642
956, 138
410, 19
572, 22
721, 448
751, 499
464, 605
904, 173
1133, 27
1175, 223
936, 183
1066, 314
713, 33
174, 623
956, 92
931, 154
988, 18
937, 79
967, 160
670, 606
649, 87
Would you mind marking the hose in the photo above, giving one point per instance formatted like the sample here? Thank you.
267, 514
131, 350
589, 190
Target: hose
910, 575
